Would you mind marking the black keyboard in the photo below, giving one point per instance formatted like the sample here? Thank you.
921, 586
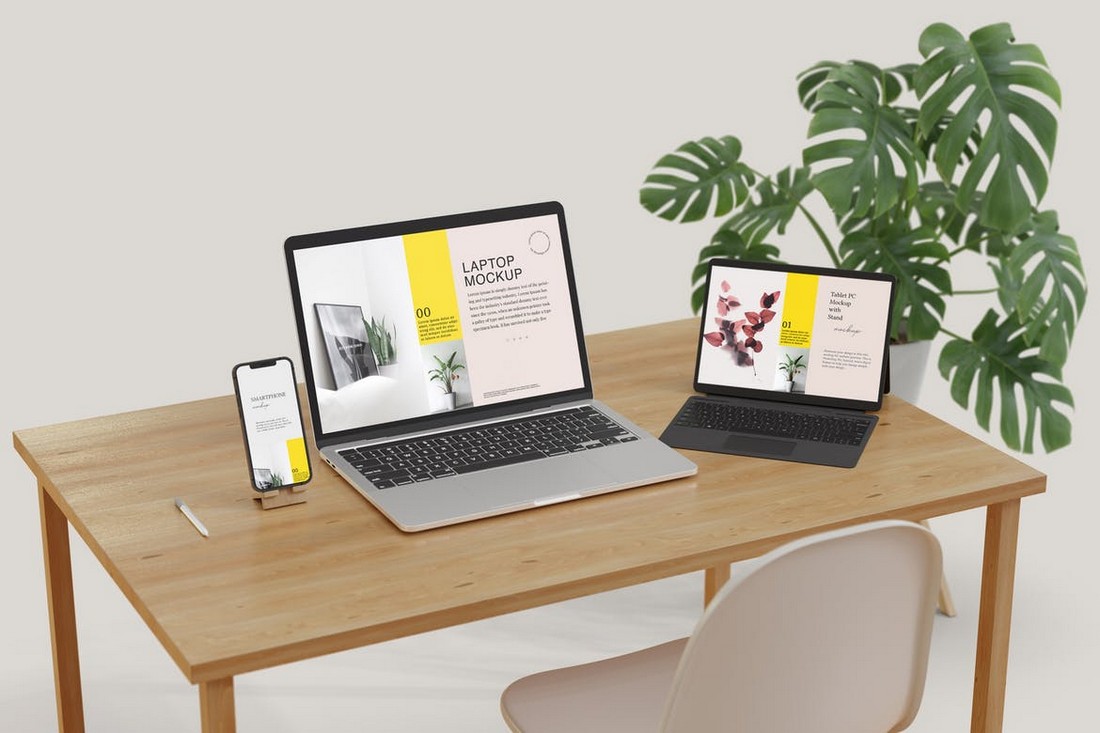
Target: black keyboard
773, 422
488, 446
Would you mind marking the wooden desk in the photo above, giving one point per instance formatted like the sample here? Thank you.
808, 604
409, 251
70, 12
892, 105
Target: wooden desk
272, 587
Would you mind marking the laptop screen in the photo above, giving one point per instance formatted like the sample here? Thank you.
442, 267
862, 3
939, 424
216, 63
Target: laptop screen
435, 319
795, 334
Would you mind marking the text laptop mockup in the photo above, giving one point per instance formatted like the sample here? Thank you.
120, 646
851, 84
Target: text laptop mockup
437, 354
790, 359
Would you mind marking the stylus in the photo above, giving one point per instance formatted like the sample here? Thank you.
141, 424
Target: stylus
192, 518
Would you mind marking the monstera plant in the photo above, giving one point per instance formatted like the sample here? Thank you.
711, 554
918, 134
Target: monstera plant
909, 170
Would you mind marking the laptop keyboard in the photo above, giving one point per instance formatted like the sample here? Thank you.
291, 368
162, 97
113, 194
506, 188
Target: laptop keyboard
489, 446
772, 421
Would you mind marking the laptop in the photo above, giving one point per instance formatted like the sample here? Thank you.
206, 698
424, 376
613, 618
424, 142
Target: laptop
791, 363
436, 353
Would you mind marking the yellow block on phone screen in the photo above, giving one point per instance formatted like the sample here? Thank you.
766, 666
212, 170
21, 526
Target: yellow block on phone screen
299, 464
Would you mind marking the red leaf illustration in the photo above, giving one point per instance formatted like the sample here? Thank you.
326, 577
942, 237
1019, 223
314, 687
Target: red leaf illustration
725, 286
714, 338
767, 300
766, 315
723, 309
754, 318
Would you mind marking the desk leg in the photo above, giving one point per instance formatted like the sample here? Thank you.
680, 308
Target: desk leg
59, 598
1002, 522
216, 706
713, 581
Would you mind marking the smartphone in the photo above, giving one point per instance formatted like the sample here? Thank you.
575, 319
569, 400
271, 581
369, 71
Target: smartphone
271, 419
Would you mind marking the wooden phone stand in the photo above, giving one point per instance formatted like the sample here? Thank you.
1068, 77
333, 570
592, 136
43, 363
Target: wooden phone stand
286, 496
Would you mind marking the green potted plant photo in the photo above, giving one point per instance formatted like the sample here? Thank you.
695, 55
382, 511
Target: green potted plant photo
912, 170
446, 373
791, 366
383, 341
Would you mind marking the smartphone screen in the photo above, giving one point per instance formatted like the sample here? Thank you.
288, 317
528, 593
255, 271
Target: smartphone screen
271, 418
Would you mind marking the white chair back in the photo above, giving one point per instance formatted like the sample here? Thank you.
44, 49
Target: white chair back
828, 634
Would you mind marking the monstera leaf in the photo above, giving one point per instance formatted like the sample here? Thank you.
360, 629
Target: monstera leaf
936, 208
988, 74
772, 206
684, 184
870, 173
913, 258
997, 360
1048, 288
893, 81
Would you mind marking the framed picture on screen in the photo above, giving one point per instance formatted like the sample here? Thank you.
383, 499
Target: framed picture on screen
345, 334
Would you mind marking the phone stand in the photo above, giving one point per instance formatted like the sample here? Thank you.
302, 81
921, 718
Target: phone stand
282, 497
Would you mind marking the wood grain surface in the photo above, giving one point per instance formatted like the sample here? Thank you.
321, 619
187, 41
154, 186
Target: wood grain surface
271, 587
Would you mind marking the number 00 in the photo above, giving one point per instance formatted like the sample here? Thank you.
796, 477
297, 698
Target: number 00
423, 312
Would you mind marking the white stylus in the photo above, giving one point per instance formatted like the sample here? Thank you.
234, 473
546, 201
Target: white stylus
191, 517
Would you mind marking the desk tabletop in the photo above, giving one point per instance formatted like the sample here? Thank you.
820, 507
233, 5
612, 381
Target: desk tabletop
276, 586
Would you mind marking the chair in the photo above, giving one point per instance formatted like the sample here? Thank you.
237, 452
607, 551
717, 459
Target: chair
829, 633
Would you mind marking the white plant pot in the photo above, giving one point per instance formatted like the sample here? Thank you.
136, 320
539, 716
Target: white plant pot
908, 365
449, 400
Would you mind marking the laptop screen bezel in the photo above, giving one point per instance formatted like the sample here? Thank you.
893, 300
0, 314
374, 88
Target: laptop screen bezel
436, 421
786, 397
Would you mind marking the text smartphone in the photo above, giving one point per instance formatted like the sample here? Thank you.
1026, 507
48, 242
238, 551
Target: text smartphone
271, 418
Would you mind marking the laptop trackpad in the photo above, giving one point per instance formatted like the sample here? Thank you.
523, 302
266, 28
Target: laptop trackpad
767, 446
